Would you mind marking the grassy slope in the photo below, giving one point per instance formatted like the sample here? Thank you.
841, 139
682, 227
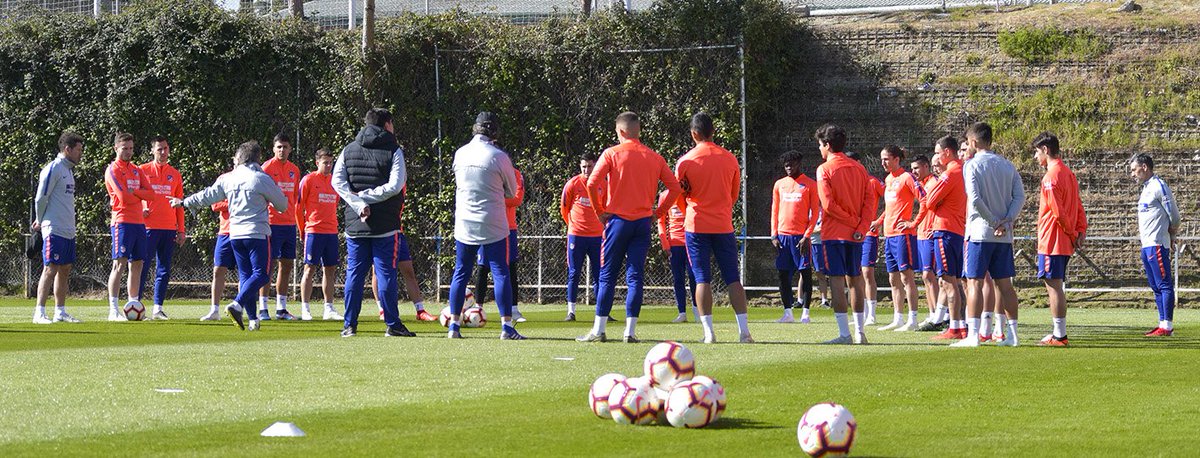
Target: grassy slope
88, 389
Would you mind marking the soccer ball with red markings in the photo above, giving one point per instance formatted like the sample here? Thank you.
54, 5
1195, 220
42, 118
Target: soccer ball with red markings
826, 430
135, 311
718, 393
598, 394
691, 405
669, 363
474, 317
445, 317
633, 402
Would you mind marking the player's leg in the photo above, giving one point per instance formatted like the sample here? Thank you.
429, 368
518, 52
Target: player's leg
164, 255
975, 262
464, 263
384, 251
894, 262
287, 262
948, 266
223, 260
62, 285
358, 263
275, 250
805, 290
612, 260
698, 255
513, 257
481, 281
593, 255
786, 268
679, 281
1157, 261
259, 254
575, 255
635, 268
870, 258
990, 298
306, 287
327, 278
412, 287
725, 250
46, 285
908, 276
495, 257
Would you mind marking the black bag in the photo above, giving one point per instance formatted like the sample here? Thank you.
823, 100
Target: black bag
33, 245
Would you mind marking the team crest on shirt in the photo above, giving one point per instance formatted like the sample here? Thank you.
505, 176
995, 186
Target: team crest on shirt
291, 174
170, 178
1047, 185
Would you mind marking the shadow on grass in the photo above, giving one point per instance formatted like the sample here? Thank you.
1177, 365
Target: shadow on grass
741, 423
49, 331
1110, 336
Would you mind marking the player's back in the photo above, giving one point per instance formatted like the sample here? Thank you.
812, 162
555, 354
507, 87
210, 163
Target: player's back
633, 171
846, 186
713, 179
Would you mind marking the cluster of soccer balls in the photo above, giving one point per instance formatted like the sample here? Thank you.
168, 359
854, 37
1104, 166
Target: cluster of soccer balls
472, 314
669, 392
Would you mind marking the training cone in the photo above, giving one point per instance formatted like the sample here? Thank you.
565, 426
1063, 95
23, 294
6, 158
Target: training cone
283, 429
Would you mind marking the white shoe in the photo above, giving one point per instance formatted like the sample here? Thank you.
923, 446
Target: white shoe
910, 326
1009, 341
518, 317
869, 321
305, 315
970, 341
805, 320
745, 338
159, 315
709, 339
331, 315
253, 325
860, 338
63, 317
840, 340
41, 319
214, 315
116, 315
786, 318
891, 326
682, 318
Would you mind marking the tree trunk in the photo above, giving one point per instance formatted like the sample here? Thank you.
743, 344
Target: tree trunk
297, 8
368, 37
587, 7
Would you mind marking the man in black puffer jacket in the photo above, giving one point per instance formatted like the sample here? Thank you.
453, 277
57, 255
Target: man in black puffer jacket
369, 175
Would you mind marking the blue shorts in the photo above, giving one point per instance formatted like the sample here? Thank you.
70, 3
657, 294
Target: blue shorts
283, 241
402, 252
321, 250
129, 241
900, 253
925, 255
513, 254
791, 257
223, 253
59, 251
723, 247
983, 258
817, 255
870, 251
842, 258
947, 254
1052, 266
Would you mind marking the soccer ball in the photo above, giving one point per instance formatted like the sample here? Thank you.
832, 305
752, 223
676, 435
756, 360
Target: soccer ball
827, 429
444, 318
469, 300
632, 402
669, 363
598, 394
135, 311
474, 317
691, 405
718, 394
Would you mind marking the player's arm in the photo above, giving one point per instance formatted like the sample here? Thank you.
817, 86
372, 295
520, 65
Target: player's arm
664, 235
341, 185
594, 181
519, 198
272, 193
47, 183
1054, 203
180, 228
301, 210
870, 203
119, 192
774, 214
221, 206
565, 202
1081, 223
735, 187
396, 180
1018, 200
143, 192
976, 199
825, 194
508, 174
211, 195
814, 213
674, 190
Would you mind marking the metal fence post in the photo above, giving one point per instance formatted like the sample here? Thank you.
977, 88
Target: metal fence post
541, 241
350, 14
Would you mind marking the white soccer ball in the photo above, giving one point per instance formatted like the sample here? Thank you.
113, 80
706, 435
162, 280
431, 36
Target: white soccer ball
632, 402
718, 393
474, 317
827, 429
598, 394
445, 317
135, 311
691, 405
669, 363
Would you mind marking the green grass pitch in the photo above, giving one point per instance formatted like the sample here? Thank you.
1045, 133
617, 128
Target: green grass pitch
89, 389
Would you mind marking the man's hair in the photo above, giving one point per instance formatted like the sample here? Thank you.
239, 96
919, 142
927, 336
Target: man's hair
922, 160
790, 156
981, 132
323, 153
68, 140
629, 122
702, 124
248, 153
833, 135
159, 139
853, 156
895, 151
947, 142
377, 117
1144, 159
281, 138
590, 156
1048, 140
122, 137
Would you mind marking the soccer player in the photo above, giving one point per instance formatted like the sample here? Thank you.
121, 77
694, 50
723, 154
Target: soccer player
54, 217
164, 225
370, 176
994, 199
283, 227
510, 208
844, 189
484, 178
712, 177
248, 191
900, 250
674, 242
584, 231
631, 171
946, 206
223, 260
794, 211
1061, 229
817, 255
126, 193
1158, 224
922, 170
316, 209
870, 255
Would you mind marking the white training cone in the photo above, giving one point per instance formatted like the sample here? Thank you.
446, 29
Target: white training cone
283, 429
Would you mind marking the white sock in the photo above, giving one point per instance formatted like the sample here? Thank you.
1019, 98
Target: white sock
280, 303
515, 312
135, 298
598, 327
1012, 330
803, 313
157, 308
456, 319
112, 303
329, 306
418, 306
985, 322
1168, 325
39, 310
897, 317
570, 307
503, 321
843, 324
1060, 327
214, 308
743, 324
973, 328
304, 306
1001, 322
858, 322
630, 325
262, 303
236, 306
706, 321
912, 317
787, 312
939, 315
957, 324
